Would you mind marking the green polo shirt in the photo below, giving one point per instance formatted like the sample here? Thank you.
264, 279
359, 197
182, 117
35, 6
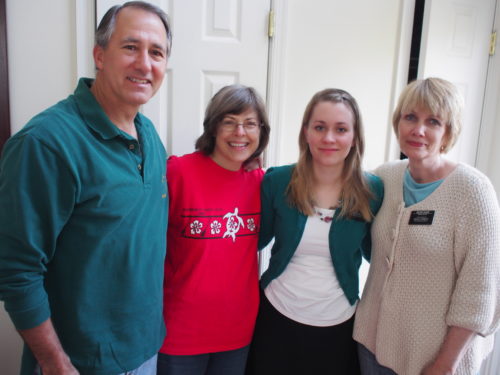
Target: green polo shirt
83, 216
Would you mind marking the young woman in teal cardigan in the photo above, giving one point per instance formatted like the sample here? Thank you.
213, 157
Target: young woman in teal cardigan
319, 212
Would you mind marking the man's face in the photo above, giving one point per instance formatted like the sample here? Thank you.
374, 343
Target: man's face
132, 66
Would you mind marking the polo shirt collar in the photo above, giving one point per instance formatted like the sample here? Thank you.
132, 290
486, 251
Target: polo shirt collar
93, 114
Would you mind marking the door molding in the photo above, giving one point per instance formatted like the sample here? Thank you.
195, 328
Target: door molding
276, 79
4, 79
400, 75
491, 98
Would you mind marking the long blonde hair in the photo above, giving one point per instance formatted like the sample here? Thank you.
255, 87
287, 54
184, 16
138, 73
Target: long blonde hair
355, 193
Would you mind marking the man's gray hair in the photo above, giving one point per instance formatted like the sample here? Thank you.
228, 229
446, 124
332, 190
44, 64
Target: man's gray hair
107, 25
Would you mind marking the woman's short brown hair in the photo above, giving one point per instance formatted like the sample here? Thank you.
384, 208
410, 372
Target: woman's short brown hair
232, 100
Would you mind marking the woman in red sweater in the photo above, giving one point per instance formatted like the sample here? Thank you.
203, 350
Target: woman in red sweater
211, 276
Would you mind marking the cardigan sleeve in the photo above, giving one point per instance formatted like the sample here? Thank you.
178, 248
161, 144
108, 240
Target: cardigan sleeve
475, 302
266, 232
377, 188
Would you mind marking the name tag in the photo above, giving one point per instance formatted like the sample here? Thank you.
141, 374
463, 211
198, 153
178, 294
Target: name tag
423, 217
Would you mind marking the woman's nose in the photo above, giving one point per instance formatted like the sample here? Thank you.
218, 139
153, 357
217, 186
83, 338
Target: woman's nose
329, 136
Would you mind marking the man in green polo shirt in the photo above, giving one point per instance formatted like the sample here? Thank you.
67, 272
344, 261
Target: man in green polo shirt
83, 212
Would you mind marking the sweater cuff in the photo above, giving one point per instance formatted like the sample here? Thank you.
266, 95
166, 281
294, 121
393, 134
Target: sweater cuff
29, 311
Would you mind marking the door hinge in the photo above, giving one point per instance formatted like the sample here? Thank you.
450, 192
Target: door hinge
270, 24
493, 43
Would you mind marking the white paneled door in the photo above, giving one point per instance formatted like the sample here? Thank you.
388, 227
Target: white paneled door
455, 46
215, 43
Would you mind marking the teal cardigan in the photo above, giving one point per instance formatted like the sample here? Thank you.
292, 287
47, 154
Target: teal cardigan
349, 238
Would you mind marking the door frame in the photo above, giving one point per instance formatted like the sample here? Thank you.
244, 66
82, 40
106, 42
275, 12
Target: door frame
4, 79
276, 79
491, 98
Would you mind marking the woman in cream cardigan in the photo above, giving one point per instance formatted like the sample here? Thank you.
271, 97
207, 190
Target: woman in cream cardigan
432, 297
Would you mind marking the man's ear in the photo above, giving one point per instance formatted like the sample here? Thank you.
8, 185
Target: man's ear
98, 53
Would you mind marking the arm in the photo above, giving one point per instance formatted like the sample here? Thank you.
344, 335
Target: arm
30, 187
377, 188
451, 352
47, 349
475, 302
266, 232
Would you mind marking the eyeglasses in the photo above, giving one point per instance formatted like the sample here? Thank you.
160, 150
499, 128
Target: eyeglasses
250, 126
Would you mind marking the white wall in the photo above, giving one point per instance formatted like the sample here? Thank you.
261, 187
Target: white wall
346, 44
41, 50
335, 44
42, 71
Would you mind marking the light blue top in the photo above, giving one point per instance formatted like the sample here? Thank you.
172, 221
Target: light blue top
413, 192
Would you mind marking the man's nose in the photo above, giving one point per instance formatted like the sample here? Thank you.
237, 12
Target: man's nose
143, 61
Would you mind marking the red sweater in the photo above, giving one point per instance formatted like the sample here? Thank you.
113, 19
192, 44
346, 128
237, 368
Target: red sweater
211, 276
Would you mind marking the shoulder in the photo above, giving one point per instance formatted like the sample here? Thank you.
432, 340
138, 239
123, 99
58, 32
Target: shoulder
54, 128
176, 163
376, 186
471, 183
277, 178
374, 182
391, 168
470, 175
53, 121
283, 172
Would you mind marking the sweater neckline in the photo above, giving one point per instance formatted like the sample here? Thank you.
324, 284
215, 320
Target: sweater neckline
445, 182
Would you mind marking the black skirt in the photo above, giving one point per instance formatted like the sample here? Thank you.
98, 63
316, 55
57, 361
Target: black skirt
283, 346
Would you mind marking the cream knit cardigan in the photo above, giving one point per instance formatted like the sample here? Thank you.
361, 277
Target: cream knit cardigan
424, 278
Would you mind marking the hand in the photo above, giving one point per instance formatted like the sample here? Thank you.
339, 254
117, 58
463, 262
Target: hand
447, 360
66, 371
47, 349
253, 164
64, 368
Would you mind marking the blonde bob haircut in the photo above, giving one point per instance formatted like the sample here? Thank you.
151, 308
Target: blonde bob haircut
355, 194
438, 96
